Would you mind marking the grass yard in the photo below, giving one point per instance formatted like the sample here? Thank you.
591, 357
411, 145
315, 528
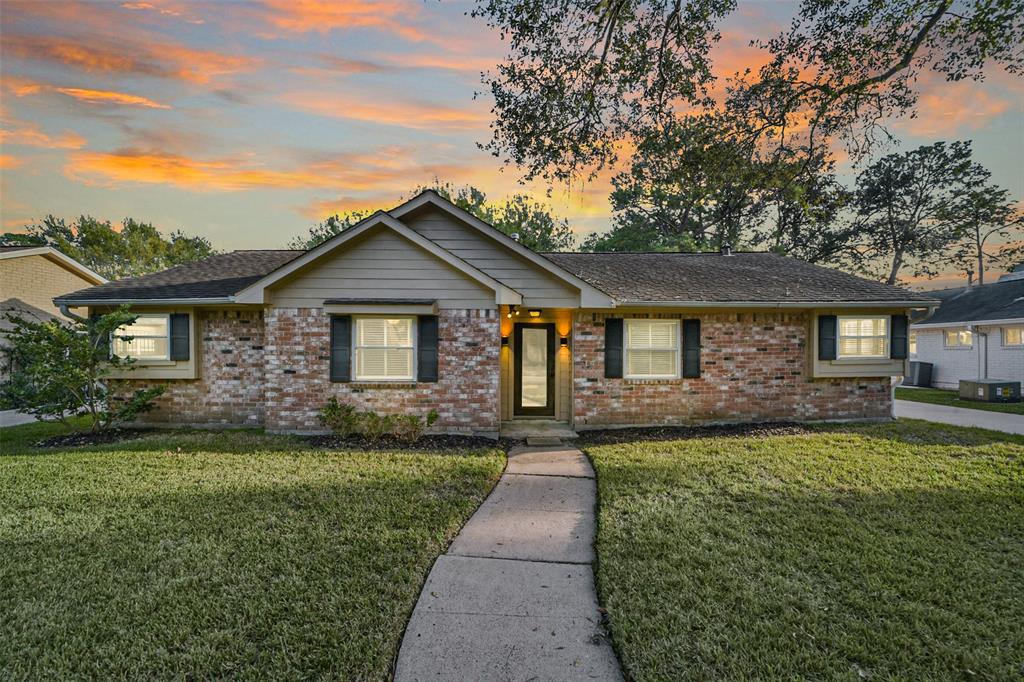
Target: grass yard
937, 396
201, 555
891, 551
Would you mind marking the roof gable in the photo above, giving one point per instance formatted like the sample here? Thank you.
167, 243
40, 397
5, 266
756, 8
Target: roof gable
55, 256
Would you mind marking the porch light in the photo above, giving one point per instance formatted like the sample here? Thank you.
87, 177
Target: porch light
564, 342
512, 311
504, 340
534, 312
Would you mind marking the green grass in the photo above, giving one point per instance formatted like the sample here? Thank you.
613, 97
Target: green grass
201, 555
937, 396
890, 551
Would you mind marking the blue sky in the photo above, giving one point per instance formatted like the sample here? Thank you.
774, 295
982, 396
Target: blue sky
246, 122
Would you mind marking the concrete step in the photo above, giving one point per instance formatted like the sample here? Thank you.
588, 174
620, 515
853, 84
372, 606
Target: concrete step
543, 440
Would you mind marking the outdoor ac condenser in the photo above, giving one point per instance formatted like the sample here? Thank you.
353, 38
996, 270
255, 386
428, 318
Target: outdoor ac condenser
990, 390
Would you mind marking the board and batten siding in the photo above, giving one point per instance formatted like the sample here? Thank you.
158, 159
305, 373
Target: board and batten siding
381, 264
539, 288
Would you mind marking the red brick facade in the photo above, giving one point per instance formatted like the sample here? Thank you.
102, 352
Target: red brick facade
754, 367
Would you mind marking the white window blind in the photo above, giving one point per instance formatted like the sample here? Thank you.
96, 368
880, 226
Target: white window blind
150, 338
652, 348
384, 348
864, 337
959, 338
1013, 336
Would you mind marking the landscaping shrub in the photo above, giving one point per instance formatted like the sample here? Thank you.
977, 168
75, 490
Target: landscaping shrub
341, 418
345, 421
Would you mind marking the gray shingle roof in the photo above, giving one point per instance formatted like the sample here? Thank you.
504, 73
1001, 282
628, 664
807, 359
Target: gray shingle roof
998, 301
716, 278
218, 276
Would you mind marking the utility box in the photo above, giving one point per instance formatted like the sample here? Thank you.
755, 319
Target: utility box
990, 390
919, 374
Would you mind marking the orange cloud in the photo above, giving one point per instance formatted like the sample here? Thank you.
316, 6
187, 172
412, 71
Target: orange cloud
123, 57
163, 9
417, 115
323, 16
108, 97
7, 161
29, 135
945, 109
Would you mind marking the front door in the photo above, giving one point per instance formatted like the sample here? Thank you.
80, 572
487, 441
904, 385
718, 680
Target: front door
535, 370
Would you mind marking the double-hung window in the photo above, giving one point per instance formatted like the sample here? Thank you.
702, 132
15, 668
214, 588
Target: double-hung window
150, 338
384, 348
959, 338
1013, 336
652, 349
864, 337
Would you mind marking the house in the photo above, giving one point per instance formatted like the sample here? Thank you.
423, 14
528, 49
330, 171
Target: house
30, 278
427, 307
976, 333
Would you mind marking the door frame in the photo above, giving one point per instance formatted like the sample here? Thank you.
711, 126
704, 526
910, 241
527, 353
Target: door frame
517, 359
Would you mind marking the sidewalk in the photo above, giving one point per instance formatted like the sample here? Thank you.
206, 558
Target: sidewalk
14, 418
959, 416
514, 597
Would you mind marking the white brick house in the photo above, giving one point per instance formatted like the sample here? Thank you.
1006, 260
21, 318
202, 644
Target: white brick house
976, 333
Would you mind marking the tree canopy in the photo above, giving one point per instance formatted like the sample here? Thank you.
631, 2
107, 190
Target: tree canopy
135, 249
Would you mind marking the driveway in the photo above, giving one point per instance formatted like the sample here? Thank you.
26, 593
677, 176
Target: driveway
14, 418
959, 416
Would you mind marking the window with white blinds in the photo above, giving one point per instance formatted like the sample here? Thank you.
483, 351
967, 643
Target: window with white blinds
150, 338
384, 348
959, 338
652, 349
864, 337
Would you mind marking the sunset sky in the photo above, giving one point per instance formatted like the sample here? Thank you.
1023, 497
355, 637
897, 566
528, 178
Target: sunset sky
247, 122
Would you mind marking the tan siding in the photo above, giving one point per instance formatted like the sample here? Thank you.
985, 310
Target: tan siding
381, 265
540, 289
36, 280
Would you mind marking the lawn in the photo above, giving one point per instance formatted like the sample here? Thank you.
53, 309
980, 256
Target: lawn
890, 551
937, 396
200, 555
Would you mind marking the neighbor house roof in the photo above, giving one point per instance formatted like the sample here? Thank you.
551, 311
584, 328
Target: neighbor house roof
1003, 300
706, 278
55, 256
217, 277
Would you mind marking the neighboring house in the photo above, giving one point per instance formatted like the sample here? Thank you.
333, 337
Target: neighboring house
976, 333
427, 307
30, 278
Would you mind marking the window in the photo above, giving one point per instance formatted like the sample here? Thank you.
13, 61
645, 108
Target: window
652, 349
864, 337
150, 338
384, 349
1013, 336
959, 338
912, 343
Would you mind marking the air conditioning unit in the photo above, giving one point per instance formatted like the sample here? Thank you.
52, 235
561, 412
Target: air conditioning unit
919, 374
990, 390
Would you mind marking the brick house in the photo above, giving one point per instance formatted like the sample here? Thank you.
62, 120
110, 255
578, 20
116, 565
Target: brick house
426, 307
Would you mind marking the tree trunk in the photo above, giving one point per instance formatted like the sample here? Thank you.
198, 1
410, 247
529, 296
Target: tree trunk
897, 262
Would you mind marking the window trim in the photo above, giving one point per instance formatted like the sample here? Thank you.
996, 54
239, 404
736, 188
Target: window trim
959, 346
1002, 336
414, 348
166, 358
912, 343
627, 323
886, 351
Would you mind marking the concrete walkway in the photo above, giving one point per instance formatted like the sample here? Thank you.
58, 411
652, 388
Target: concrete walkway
14, 418
514, 597
959, 416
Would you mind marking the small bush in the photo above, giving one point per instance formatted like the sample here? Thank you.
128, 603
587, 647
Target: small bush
373, 426
341, 418
344, 420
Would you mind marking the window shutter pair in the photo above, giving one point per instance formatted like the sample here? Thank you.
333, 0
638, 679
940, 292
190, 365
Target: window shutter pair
613, 348
828, 337
341, 348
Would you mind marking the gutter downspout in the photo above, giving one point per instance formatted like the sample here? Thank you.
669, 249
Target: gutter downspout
66, 312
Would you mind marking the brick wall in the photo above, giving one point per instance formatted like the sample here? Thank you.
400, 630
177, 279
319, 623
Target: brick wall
230, 389
298, 382
754, 367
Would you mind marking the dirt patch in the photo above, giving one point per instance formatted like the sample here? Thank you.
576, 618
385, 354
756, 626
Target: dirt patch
429, 442
656, 433
80, 438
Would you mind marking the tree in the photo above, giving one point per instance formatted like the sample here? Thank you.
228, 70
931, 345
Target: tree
906, 206
136, 249
989, 225
60, 370
581, 78
520, 215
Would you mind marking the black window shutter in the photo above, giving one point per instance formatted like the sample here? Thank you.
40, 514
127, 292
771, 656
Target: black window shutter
899, 343
179, 336
341, 348
691, 348
613, 348
828, 342
426, 349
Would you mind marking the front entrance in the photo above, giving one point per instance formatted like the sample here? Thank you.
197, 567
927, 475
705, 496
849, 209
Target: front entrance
534, 367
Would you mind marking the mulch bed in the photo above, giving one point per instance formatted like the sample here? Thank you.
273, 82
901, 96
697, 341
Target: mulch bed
80, 438
428, 442
657, 433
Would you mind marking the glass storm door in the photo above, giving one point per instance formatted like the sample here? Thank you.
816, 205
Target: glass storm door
535, 370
